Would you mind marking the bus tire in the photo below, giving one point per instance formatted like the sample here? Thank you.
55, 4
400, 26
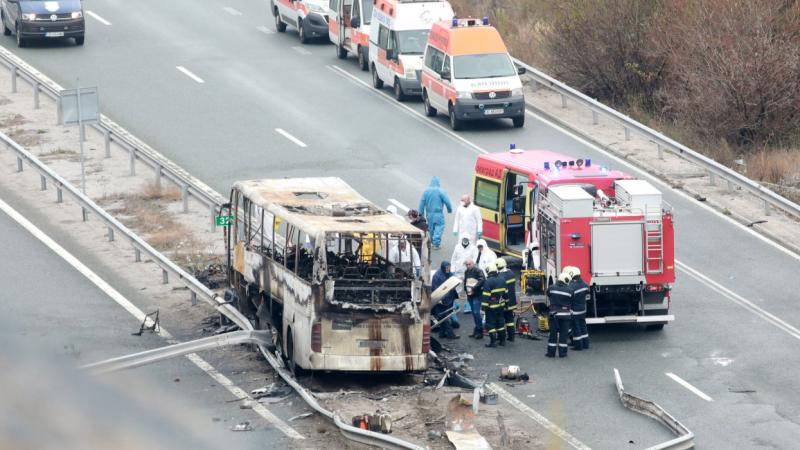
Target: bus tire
377, 83
280, 25
290, 362
341, 52
455, 123
430, 111
363, 61
399, 95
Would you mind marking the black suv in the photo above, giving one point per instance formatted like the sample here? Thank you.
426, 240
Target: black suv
43, 19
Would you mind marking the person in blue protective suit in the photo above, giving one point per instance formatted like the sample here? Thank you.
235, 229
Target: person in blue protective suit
431, 206
445, 305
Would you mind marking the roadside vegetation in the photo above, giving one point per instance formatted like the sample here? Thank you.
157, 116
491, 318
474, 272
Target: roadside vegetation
721, 76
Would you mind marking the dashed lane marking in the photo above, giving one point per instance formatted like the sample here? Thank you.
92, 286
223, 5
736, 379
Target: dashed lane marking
688, 386
97, 17
189, 74
288, 136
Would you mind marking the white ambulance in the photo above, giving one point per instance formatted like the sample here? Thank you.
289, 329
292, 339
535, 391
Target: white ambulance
469, 75
348, 28
397, 40
310, 17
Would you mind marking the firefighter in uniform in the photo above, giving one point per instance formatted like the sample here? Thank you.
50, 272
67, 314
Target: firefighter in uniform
580, 297
493, 303
511, 303
560, 296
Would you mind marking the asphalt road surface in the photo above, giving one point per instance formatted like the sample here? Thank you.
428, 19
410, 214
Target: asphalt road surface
54, 320
227, 98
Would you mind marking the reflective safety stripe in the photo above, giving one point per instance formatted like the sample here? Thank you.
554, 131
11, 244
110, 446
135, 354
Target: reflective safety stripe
511, 307
509, 324
578, 313
560, 314
484, 304
499, 290
487, 294
551, 345
511, 281
585, 336
563, 345
583, 289
495, 306
577, 338
565, 294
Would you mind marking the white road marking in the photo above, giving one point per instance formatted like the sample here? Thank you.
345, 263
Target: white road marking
300, 50
662, 183
96, 17
739, 300
414, 113
232, 11
399, 205
288, 136
140, 316
542, 420
264, 29
688, 386
190, 74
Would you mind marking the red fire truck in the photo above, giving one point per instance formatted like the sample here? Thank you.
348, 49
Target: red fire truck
553, 211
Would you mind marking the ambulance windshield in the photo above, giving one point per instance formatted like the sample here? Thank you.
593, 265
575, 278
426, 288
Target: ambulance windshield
412, 42
492, 65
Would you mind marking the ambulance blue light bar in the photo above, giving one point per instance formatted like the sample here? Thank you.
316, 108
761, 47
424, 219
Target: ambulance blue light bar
485, 20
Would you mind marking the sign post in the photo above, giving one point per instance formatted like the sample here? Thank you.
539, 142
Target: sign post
80, 107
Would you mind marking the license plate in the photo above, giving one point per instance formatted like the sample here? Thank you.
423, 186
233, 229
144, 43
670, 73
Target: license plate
371, 344
492, 112
54, 34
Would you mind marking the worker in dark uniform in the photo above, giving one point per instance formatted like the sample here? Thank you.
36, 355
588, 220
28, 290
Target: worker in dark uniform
473, 286
494, 293
511, 303
560, 297
580, 297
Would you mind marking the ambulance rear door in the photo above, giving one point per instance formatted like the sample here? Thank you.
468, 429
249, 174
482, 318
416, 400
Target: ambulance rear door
488, 196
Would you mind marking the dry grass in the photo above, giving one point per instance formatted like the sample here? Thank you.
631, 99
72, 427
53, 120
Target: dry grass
775, 166
12, 120
27, 138
60, 153
154, 191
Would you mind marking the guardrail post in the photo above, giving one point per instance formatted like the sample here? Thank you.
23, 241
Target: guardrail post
158, 177
595, 119
185, 197
59, 195
107, 140
164, 277
84, 214
44, 182
212, 210
19, 164
534, 86
59, 113
133, 162
14, 79
660, 152
194, 298
36, 95
627, 134
563, 101
137, 255
712, 179
110, 234
766, 208
730, 186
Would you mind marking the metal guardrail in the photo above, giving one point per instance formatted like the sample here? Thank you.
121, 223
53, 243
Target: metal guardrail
189, 186
685, 439
714, 169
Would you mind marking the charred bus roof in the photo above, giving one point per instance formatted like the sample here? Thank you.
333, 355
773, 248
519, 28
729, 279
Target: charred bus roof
322, 205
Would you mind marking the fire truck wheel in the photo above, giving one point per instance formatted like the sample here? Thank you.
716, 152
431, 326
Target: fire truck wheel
362, 59
377, 83
341, 53
279, 24
398, 91
301, 32
430, 111
519, 122
455, 123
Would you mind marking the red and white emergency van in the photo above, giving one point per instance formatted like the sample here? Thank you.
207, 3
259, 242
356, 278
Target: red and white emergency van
553, 211
469, 75
310, 17
398, 36
348, 28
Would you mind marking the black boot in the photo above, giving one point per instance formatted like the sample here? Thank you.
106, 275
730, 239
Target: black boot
493, 342
577, 345
551, 352
585, 343
501, 338
511, 333
477, 334
451, 335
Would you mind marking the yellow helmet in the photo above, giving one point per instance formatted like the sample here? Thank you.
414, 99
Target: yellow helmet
500, 263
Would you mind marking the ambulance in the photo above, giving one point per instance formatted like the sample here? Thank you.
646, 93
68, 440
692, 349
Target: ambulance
469, 75
397, 42
310, 17
553, 211
348, 28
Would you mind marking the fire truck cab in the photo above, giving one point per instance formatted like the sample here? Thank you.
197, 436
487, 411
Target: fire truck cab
552, 211
348, 28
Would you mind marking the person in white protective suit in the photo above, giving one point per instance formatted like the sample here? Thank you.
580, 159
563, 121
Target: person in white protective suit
405, 256
468, 220
486, 256
464, 250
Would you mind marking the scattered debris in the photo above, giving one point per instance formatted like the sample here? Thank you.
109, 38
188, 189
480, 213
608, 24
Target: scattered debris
378, 422
513, 373
246, 405
301, 416
216, 419
177, 380
741, 391
154, 328
226, 329
433, 434
244, 426
460, 425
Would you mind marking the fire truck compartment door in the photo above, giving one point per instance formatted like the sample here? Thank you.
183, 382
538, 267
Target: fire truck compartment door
617, 256
630, 319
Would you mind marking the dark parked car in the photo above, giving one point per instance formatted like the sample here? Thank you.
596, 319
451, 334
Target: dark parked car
43, 19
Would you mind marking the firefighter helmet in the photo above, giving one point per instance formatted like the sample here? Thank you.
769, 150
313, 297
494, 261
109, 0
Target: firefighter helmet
564, 277
500, 263
491, 268
572, 271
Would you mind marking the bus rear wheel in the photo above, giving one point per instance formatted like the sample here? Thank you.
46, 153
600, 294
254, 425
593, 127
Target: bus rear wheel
295, 369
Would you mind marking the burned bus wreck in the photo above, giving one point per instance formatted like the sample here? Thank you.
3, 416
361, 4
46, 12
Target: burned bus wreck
342, 281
